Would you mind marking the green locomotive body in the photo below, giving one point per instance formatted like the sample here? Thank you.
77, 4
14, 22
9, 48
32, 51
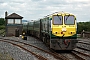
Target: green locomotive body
58, 30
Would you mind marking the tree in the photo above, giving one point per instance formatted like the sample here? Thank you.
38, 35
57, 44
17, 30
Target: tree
2, 21
83, 26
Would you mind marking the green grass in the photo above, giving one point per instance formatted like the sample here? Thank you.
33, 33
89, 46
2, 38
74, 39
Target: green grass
2, 27
2, 30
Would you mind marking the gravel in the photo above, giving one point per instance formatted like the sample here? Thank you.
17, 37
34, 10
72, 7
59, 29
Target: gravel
15, 52
30, 40
83, 46
19, 54
81, 39
70, 56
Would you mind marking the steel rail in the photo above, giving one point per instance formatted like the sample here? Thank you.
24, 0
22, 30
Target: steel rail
77, 56
57, 56
38, 56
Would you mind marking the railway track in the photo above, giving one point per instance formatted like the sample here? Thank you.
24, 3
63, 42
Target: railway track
76, 54
84, 42
39, 56
80, 56
82, 51
84, 45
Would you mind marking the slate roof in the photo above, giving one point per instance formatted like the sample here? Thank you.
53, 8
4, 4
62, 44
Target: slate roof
14, 16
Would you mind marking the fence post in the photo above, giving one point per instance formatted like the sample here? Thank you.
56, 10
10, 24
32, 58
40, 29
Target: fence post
83, 33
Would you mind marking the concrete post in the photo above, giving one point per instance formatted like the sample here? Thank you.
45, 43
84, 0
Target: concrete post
83, 34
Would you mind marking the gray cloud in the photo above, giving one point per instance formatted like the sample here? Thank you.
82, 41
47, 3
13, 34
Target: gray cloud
35, 9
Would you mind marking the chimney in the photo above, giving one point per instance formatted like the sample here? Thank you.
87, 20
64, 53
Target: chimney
6, 14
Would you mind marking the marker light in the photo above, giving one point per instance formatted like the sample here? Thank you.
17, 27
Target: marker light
61, 32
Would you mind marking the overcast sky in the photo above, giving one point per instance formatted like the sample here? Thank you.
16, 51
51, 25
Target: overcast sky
35, 9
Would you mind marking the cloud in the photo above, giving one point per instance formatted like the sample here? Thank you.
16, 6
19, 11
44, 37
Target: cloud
35, 9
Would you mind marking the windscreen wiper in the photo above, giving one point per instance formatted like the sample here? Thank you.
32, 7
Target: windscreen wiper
67, 16
59, 17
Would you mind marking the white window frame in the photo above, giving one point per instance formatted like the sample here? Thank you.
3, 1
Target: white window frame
17, 21
10, 21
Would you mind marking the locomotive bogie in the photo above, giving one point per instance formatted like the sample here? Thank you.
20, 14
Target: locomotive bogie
60, 44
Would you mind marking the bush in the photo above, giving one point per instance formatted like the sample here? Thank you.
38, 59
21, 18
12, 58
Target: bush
2, 27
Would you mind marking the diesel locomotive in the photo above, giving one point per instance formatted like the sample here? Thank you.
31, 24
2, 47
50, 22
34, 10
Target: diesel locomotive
58, 30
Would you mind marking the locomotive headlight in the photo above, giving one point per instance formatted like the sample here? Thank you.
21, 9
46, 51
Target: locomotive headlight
56, 32
63, 29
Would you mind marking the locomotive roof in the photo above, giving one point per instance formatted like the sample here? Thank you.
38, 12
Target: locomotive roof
62, 13
59, 13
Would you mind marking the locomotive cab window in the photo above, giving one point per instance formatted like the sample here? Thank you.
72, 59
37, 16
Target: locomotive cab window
57, 19
69, 20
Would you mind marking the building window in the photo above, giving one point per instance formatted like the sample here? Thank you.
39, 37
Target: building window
17, 21
10, 21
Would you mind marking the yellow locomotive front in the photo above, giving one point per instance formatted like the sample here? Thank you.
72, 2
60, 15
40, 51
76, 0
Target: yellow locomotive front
64, 31
64, 24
